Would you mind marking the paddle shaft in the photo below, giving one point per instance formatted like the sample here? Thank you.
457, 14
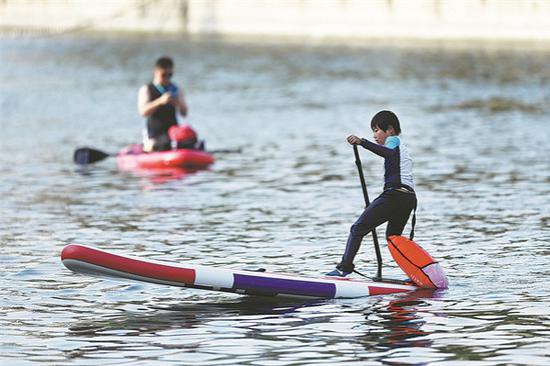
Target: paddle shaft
367, 203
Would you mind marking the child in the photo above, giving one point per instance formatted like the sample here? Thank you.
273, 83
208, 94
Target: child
397, 200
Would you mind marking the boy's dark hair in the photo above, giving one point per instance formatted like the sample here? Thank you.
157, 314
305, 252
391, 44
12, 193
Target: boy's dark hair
164, 63
384, 119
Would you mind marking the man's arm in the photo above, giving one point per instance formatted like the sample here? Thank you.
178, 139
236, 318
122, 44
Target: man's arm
181, 105
146, 107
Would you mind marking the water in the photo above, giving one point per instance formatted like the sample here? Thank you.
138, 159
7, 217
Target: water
474, 118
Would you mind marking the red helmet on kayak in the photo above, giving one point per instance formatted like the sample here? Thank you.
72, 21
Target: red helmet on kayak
182, 133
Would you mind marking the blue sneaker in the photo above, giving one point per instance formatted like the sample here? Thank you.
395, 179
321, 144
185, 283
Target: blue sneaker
337, 273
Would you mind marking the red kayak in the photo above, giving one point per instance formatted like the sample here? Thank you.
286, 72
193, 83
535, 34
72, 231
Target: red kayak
133, 157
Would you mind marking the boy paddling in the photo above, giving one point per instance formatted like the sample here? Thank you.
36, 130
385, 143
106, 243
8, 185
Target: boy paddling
395, 203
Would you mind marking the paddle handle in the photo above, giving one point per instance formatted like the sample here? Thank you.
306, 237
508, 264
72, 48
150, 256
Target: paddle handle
367, 203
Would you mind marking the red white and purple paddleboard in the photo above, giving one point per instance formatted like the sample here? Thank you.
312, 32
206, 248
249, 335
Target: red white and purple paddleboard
88, 260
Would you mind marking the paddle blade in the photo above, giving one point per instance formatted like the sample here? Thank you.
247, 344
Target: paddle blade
421, 268
86, 155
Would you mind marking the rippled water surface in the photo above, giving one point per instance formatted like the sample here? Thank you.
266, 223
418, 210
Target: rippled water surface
475, 120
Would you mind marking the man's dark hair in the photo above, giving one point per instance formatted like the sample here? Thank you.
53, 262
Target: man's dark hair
384, 119
164, 63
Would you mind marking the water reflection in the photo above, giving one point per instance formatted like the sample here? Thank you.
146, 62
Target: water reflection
189, 315
147, 179
399, 323
163, 175
378, 325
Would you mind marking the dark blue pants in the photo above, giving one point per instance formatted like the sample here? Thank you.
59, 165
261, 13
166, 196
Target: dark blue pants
393, 207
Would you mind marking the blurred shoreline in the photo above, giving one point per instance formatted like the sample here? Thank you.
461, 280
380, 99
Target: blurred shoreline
298, 41
321, 21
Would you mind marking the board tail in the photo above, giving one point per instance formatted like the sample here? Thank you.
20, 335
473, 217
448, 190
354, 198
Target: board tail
418, 264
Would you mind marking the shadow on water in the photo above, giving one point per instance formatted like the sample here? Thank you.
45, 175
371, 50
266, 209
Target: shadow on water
378, 324
158, 318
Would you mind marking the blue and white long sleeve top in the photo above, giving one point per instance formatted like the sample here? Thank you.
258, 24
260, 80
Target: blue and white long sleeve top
397, 162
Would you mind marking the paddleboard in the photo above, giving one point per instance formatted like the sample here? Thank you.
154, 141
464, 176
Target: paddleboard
132, 157
89, 260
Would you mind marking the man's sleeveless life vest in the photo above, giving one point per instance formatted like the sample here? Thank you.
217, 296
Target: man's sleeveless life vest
163, 118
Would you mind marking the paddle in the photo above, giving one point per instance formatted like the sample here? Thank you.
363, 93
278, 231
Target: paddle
367, 203
87, 155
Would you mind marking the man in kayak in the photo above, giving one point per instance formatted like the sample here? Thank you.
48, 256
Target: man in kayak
160, 101
398, 199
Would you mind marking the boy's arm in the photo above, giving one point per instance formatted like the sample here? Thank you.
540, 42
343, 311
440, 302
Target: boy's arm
380, 150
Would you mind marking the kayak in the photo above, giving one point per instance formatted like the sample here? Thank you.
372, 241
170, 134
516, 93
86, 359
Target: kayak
133, 157
89, 260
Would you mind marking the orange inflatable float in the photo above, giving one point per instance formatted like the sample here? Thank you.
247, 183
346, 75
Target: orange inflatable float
421, 268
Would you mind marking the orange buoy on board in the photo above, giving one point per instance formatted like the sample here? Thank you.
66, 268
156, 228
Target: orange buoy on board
421, 268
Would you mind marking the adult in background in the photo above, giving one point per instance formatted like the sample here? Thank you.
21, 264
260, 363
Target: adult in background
160, 101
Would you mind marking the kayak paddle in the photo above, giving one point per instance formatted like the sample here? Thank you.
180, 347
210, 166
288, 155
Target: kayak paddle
225, 151
87, 155
367, 203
